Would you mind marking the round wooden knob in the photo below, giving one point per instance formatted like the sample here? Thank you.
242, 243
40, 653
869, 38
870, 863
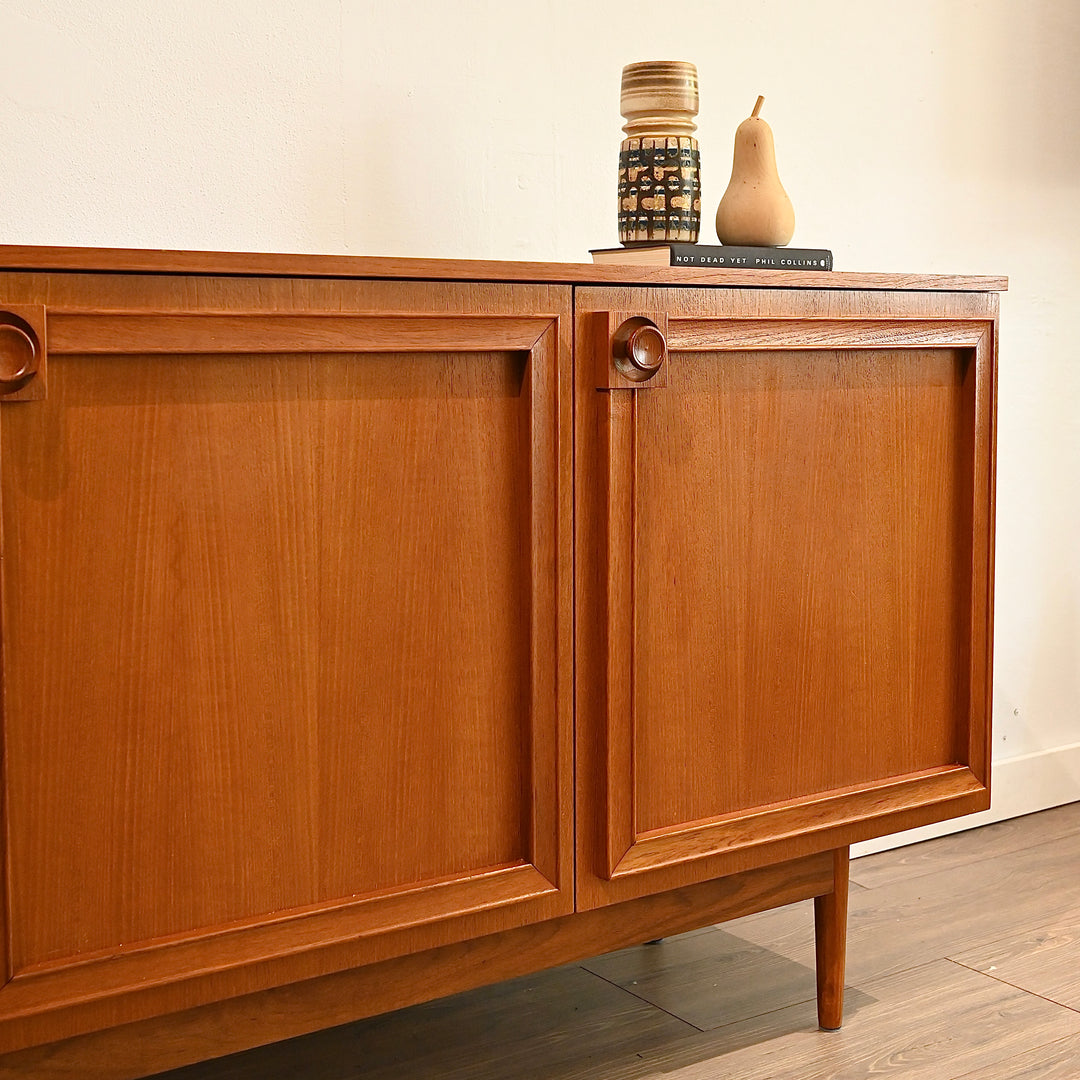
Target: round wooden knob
18, 349
639, 349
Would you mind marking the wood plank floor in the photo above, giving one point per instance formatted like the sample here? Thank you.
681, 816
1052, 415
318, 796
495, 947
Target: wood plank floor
963, 964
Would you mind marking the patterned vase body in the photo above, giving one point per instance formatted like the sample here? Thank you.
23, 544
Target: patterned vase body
659, 163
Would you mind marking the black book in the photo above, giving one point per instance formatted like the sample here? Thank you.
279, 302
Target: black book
718, 256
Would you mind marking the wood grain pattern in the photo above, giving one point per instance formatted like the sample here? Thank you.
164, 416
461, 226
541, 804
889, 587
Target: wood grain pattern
857, 807
709, 979
798, 516
768, 335
229, 693
965, 1025
963, 1019
830, 944
155, 1043
341, 604
1054, 1061
1043, 961
262, 332
958, 911
547, 1034
966, 848
132, 260
524, 1028
298, 606
780, 525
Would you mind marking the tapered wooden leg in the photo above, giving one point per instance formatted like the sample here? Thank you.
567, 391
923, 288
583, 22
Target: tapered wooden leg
830, 934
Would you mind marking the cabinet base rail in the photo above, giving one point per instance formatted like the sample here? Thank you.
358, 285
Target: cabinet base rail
155, 1044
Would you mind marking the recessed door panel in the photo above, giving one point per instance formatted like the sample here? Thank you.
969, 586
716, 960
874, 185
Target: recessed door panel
800, 576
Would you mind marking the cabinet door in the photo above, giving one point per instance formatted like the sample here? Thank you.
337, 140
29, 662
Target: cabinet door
784, 567
286, 631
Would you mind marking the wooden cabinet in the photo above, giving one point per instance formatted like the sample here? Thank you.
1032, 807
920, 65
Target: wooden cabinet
368, 635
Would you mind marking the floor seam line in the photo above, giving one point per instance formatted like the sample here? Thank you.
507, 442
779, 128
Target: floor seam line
651, 1004
1005, 982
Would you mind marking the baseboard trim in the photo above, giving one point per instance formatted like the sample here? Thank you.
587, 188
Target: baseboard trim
1020, 785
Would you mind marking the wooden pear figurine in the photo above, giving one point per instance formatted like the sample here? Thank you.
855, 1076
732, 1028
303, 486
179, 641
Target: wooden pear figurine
755, 208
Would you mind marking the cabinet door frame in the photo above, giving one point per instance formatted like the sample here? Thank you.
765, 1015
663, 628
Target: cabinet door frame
154, 317
616, 859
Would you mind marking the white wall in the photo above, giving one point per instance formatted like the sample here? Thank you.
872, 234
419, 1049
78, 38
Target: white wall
937, 135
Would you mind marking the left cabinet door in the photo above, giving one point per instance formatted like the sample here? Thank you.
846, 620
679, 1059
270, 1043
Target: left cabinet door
286, 634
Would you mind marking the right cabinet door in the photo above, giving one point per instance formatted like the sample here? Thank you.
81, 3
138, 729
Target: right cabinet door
784, 576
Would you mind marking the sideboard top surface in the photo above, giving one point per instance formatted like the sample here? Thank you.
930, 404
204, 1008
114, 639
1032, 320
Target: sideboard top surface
151, 261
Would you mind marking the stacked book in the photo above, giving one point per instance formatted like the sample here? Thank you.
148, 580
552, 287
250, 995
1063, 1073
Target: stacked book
717, 256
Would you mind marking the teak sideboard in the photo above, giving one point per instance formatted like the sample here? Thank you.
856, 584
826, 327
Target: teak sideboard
373, 629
